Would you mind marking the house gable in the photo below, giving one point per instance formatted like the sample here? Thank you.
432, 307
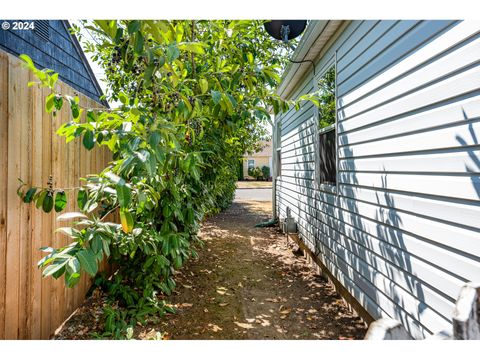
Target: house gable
51, 46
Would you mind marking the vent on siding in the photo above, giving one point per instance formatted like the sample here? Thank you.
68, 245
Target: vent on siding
42, 29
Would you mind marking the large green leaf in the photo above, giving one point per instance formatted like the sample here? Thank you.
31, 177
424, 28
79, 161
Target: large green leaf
139, 41
49, 103
133, 26
41, 198
216, 96
54, 268
82, 198
74, 108
194, 47
114, 178
47, 204
124, 195
147, 75
88, 261
126, 220
27, 61
172, 53
60, 201
96, 243
58, 102
203, 85
88, 140
123, 98
72, 272
154, 139
29, 195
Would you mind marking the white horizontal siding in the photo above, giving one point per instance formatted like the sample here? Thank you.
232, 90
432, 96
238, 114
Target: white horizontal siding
453, 112
402, 233
451, 39
462, 83
462, 161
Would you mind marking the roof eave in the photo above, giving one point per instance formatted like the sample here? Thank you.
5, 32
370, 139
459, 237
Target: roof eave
316, 36
77, 45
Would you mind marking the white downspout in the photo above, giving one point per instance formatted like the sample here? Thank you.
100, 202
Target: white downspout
274, 168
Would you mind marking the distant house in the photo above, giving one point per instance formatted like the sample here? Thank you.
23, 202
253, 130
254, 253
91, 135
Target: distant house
50, 45
384, 183
258, 159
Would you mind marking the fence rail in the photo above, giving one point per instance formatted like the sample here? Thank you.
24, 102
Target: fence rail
32, 307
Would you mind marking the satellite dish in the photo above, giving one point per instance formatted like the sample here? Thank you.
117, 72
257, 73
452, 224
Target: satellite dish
285, 30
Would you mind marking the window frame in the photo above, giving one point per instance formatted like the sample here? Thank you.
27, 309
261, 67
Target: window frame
248, 162
278, 149
324, 186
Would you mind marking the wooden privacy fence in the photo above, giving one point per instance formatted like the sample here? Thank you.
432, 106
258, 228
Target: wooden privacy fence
32, 307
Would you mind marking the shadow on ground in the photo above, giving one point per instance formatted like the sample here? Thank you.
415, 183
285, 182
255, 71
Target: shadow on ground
248, 284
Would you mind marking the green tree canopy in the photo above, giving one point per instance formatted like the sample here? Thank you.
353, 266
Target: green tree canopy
194, 97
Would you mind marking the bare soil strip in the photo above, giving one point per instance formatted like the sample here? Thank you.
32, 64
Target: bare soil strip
246, 284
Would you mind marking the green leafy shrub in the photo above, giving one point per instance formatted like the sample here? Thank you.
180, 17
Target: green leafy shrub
255, 172
265, 172
240, 175
194, 96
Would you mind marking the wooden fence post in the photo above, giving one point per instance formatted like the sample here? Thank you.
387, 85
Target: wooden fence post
466, 316
387, 329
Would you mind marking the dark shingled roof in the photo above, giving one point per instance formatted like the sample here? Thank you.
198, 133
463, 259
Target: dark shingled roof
52, 46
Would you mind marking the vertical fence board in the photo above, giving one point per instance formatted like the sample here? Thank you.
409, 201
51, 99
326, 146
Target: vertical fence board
47, 229
12, 300
32, 307
23, 106
56, 307
36, 218
3, 183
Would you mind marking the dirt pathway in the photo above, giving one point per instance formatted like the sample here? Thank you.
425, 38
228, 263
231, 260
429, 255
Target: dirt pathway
246, 284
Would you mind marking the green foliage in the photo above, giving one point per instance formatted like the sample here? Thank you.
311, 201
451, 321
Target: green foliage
255, 172
194, 97
265, 172
47, 78
326, 100
240, 174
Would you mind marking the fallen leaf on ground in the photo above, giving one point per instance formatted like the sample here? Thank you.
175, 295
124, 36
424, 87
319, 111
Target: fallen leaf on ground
221, 290
186, 305
243, 325
214, 327
223, 304
153, 335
